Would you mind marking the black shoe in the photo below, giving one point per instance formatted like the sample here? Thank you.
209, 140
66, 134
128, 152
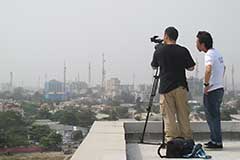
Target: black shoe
213, 146
206, 144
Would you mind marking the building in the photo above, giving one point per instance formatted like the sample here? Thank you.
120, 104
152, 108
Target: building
54, 91
195, 86
65, 130
78, 87
112, 88
4, 107
144, 91
127, 88
5, 87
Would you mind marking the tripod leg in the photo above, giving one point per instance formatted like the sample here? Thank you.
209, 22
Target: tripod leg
146, 121
153, 93
163, 134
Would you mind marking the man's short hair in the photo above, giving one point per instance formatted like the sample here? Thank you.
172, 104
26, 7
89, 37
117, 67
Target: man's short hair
172, 33
206, 38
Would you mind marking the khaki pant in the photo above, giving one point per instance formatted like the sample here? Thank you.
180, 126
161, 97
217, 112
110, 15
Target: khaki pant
174, 106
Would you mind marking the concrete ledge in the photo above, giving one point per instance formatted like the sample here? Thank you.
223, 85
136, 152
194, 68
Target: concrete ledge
156, 127
105, 141
133, 130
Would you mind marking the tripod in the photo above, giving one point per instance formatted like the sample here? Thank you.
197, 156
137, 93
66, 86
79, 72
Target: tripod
153, 94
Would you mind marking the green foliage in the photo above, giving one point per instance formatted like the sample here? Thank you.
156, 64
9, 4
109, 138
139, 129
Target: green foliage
37, 97
16, 137
12, 119
77, 135
127, 97
43, 114
73, 117
57, 115
238, 104
69, 118
86, 117
39, 131
51, 141
5, 95
19, 93
3, 138
113, 116
156, 108
122, 112
30, 109
225, 115
13, 129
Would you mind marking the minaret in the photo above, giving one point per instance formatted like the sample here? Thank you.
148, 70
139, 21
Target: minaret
226, 83
89, 74
103, 72
233, 85
133, 81
11, 80
78, 79
45, 83
46, 78
39, 82
64, 78
197, 69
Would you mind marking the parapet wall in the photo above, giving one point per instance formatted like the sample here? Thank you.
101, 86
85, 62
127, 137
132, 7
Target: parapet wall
107, 139
133, 130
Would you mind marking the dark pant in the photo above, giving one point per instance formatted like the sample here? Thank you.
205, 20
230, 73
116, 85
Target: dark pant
212, 103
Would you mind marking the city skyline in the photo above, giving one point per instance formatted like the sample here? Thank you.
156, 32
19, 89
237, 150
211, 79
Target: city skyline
37, 37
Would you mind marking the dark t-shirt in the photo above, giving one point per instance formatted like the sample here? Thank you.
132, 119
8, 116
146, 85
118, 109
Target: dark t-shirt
172, 59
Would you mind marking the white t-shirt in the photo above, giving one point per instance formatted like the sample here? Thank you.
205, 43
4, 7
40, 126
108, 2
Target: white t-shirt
215, 59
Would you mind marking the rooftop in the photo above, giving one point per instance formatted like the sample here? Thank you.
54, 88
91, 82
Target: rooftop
120, 141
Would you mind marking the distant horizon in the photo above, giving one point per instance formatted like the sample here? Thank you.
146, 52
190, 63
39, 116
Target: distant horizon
36, 37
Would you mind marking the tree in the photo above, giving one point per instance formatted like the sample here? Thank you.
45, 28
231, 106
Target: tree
77, 135
57, 115
3, 139
13, 129
37, 97
5, 95
122, 112
69, 118
75, 117
238, 104
156, 108
43, 114
39, 131
86, 117
30, 109
225, 115
52, 141
11, 119
18, 93
17, 137
127, 97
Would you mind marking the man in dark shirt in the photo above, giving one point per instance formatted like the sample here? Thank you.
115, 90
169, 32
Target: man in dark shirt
173, 60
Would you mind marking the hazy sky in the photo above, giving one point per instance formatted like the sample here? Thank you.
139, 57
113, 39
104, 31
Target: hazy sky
36, 36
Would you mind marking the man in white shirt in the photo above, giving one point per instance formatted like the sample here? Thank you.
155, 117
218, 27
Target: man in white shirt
214, 87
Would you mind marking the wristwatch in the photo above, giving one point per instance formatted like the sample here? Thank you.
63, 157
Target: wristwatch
206, 84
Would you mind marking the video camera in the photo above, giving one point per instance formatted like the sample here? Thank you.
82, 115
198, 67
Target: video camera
157, 40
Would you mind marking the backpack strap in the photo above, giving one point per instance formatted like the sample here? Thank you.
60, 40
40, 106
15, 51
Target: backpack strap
159, 150
198, 152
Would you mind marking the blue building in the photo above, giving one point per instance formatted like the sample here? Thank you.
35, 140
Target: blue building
54, 91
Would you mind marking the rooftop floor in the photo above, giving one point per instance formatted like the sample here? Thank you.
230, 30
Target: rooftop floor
119, 141
149, 152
